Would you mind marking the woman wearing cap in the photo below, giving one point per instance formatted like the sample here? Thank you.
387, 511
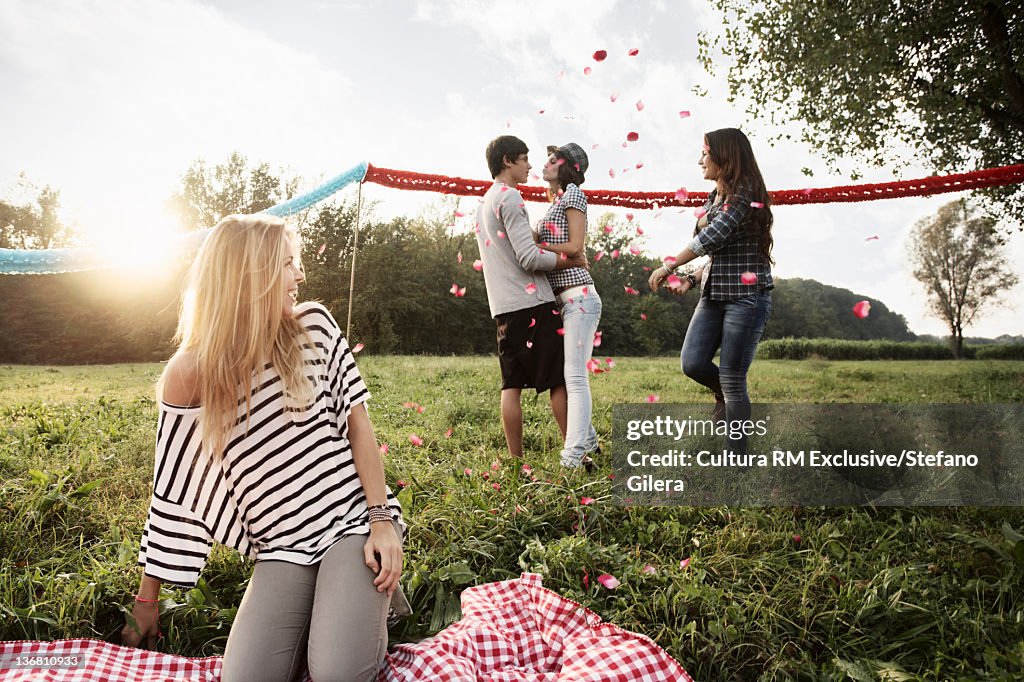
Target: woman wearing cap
563, 230
264, 445
734, 229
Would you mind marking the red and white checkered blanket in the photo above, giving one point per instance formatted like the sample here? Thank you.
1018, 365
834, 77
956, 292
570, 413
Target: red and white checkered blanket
510, 631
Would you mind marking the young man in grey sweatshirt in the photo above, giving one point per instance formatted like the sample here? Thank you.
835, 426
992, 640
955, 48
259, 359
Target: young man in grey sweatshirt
530, 350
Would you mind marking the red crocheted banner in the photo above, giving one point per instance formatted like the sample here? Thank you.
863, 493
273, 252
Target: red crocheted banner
937, 184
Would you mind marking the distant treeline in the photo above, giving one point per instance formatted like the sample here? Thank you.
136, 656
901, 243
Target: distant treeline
405, 269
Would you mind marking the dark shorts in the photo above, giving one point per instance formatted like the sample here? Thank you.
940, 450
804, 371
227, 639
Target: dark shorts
531, 356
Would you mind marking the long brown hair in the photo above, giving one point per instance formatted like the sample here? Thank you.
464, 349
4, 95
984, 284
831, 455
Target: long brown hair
730, 149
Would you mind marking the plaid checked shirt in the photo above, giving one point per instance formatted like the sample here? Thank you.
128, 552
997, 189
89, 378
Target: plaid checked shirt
732, 248
554, 229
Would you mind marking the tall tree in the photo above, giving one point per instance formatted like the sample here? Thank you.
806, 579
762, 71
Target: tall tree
208, 194
942, 79
33, 224
960, 259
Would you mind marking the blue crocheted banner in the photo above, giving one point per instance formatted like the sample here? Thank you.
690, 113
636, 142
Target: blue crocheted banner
44, 261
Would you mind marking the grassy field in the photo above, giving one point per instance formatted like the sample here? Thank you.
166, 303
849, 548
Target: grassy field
767, 593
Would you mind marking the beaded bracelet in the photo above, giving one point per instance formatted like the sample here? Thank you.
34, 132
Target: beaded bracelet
379, 512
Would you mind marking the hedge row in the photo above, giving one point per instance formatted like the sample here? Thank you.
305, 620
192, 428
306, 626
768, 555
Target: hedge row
840, 349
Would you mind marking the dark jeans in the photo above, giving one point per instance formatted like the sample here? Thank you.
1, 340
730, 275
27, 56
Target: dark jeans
735, 327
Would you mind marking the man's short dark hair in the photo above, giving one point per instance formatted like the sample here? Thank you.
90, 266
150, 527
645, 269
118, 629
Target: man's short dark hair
505, 147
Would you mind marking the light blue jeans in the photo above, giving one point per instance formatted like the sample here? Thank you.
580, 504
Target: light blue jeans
581, 313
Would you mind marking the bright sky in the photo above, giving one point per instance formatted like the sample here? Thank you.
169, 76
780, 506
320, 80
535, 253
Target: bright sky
110, 102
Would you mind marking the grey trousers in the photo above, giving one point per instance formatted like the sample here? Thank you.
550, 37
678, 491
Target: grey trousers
328, 616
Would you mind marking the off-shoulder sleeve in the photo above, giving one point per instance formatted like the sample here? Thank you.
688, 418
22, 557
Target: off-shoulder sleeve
175, 542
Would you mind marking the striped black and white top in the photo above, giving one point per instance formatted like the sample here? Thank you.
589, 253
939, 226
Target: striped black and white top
285, 489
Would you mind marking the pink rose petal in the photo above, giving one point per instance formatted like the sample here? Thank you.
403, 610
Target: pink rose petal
529, 344
639, 231
467, 471
684, 114
358, 347
629, 217
607, 229
401, 484
631, 291
458, 257
560, 331
871, 238
639, 105
611, 172
415, 440
639, 166
632, 136
635, 250
653, 398
496, 486
586, 581
682, 194
609, 362
643, 316
633, 52
756, 204
614, 96
748, 278
533, 321
597, 339
862, 309
448, 433
478, 265
649, 570
322, 248
614, 254
598, 256
608, 580
600, 55
587, 500
384, 448
586, 71
531, 288
673, 281
684, 563
593, 365
700, 212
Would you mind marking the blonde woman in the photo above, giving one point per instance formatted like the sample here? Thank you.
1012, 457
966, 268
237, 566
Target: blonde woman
264, 445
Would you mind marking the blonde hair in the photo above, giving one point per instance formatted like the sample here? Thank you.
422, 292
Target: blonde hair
231, 321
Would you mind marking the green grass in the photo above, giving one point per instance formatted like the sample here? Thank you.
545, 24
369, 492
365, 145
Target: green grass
921, 592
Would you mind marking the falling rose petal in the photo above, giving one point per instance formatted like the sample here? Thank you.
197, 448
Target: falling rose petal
639, 166
323, 247
540, 111
458, 257
748, 278
598, 256
639, 105
639, 231
593, 365
629, 217
631, 291
533, 321
862, 309
586, 71
643, 316
454, 289
700, 212
871, 238
682, 194
645, 268
448, 433
807, 192
652, 398
358, 347
632, 136
533, 176
597, 339
614, 96
600, 55
384, 448
674, 282
478, 265
556, 312
560, 331
594, 146
487, 242
610, 363
501, 235
529, 344
415, 440
684, 563
586, 290
459, 214
633, 52
611, 172
496, 486
531, 288
669, 261
615, 254
587, 500
684, 114
756, 204
608, 580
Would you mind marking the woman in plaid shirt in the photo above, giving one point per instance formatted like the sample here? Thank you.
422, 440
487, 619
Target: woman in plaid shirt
563, 230
734, 229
